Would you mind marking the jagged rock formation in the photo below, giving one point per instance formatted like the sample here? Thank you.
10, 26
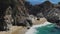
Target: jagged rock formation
18, 7
53, 15
43, 7
48, 10
20, 16
18, 11
3, 6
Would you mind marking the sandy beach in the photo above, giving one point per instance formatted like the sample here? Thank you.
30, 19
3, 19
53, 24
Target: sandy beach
20, 29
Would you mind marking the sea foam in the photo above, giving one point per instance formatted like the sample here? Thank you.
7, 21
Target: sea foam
32, 30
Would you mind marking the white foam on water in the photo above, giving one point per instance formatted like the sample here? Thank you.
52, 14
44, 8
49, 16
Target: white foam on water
32, 30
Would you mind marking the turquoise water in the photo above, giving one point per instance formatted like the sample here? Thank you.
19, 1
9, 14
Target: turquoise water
48, 29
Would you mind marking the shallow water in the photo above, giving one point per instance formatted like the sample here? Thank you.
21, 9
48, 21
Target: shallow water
46, 28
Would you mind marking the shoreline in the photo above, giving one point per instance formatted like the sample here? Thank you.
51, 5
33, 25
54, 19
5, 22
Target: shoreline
23, 30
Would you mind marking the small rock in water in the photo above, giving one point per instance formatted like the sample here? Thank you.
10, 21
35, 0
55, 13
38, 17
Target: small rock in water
28, 28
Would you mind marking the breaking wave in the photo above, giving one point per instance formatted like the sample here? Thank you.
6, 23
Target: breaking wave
33, 30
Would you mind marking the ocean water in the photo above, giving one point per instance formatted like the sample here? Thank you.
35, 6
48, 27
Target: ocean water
46, 28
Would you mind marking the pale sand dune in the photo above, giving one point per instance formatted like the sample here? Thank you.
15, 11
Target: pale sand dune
20, 29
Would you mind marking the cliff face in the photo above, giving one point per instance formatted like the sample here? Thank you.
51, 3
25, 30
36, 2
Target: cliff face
21, 12
22, 9
48, 10
18, 10
43, 7
17, 5
3, 6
